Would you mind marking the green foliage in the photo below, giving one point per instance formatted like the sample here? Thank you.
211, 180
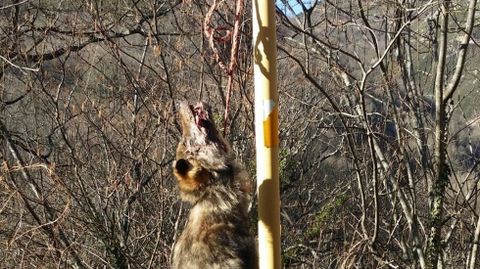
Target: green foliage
219, 120
291, 255
326, 214
287, 166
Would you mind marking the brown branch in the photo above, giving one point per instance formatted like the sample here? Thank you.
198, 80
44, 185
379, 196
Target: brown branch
462, 52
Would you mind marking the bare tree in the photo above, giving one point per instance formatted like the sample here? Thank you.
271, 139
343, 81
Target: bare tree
378, 55
379, 129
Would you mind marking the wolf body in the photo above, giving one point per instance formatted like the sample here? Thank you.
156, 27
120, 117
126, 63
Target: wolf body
217, 233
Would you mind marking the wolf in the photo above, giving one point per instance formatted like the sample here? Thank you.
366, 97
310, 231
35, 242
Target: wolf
217, 233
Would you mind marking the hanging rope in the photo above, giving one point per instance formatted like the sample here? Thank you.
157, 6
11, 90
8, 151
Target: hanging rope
213, 36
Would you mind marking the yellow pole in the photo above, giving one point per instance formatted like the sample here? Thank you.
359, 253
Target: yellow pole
266, 129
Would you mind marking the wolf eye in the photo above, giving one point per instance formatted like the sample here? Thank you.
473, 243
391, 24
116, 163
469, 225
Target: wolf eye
182, 166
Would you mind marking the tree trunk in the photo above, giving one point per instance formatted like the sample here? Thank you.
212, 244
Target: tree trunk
440, 181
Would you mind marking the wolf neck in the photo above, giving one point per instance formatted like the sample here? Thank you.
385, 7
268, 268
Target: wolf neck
219, 201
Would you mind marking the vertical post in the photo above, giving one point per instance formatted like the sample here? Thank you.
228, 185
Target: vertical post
266, 129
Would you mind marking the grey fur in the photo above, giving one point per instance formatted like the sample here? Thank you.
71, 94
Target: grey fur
217, 234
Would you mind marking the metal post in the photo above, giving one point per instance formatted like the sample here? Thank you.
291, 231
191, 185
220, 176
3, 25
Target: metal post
266, 122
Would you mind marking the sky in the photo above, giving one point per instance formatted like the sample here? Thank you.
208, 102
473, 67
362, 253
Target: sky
297, 8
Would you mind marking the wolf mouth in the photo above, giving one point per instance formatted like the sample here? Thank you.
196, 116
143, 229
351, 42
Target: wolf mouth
201, 117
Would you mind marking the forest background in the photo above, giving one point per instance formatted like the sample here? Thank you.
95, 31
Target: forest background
380, 137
